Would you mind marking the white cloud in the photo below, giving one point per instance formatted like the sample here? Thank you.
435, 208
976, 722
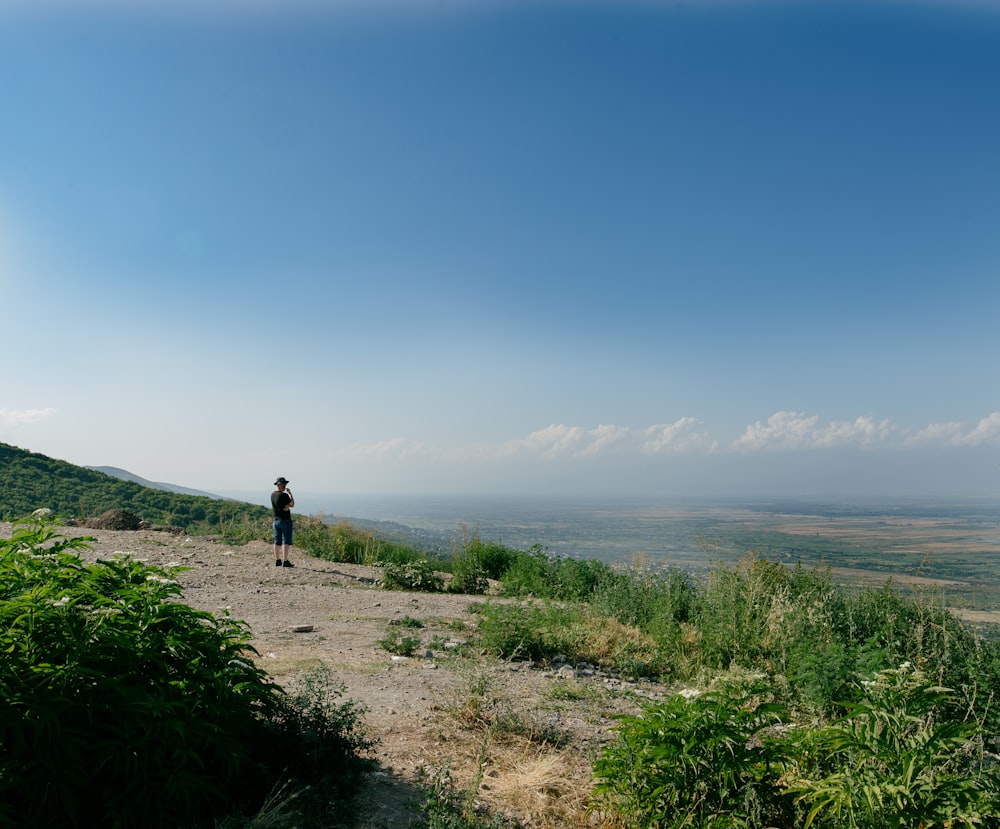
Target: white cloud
985, 433
18, 417
559, 440
676, 436
783, 431
794, 430
553, 442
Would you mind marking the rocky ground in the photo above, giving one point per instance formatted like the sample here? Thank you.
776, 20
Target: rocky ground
515, 737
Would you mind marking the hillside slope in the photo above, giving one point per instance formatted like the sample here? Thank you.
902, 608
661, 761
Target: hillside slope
30, 481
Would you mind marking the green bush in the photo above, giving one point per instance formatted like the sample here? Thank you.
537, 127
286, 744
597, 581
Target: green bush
345, 542
314, 741
710, 760
541, 632
525, 631
897, 759
733, 758
656, 602
399, 643
477, 563
536, 573
414, 575
121, 706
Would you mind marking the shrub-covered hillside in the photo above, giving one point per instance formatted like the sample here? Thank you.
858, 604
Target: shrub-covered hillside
30, 481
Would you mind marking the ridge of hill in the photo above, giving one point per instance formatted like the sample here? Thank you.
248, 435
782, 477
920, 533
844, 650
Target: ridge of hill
125, 475
30, 481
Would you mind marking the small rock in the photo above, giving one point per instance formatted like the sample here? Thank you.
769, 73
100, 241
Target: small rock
302, 628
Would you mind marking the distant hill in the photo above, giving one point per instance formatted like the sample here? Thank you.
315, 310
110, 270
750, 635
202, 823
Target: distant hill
125, 475
30, 481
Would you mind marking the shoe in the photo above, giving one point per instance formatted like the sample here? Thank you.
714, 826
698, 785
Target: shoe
277, 562
288, 564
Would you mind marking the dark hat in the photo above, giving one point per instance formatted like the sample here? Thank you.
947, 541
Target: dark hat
281, 481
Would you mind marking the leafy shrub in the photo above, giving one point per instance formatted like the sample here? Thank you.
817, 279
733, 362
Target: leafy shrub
541, 632
741, 613
529, 574
345, 542
897, 760
491, 558
476, 563
525, 631
314, 740
413, 575
399, 643
536, 573
710, 760
121, 706
468, 575
657, 603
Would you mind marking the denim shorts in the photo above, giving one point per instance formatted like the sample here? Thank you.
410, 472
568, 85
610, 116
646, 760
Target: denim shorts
283, 531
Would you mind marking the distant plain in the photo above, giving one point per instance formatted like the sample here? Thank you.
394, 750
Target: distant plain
950, 547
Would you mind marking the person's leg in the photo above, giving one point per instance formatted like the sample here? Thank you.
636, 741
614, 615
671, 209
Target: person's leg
286, 541
278, 538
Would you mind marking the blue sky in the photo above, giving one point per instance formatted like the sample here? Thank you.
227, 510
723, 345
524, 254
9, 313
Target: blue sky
516, 248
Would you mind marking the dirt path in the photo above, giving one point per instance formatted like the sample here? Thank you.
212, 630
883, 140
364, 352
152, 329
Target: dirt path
519, 737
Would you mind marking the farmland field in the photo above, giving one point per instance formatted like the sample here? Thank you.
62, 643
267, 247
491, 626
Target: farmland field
951, 547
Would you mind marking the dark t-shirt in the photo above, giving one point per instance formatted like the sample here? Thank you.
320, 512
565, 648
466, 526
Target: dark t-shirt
279, 503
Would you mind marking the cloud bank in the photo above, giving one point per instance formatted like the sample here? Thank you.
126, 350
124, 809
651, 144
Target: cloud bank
781, 432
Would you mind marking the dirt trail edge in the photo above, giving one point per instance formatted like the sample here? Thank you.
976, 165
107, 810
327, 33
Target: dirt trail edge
438, 709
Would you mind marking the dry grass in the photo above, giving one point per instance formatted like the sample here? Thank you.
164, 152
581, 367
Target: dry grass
550, 787
508, 747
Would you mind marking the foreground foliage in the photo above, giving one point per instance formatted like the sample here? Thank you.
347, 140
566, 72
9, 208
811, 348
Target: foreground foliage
731, 759
708, 760
120, 706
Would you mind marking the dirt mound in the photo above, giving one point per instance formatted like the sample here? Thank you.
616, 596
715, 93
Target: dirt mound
116, 519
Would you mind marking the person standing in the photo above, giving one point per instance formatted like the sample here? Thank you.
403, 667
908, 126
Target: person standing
282, 502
